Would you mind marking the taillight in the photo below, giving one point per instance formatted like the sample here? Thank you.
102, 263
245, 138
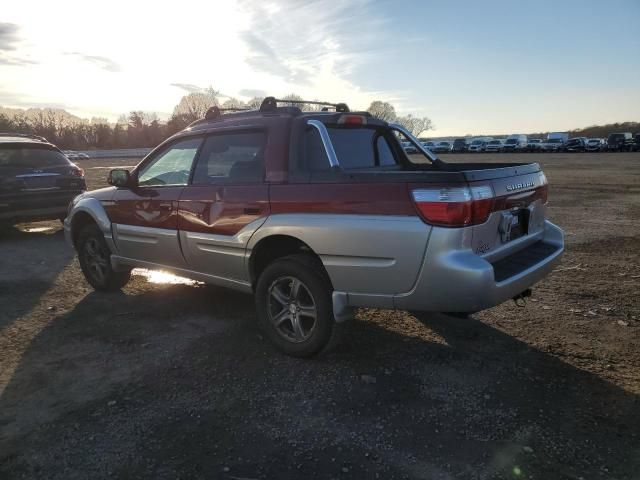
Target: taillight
543, 189
455, 206
77, 171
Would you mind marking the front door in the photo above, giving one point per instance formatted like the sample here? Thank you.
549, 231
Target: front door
145, 217
225, 203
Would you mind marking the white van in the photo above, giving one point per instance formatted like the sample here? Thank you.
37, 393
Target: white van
516, 142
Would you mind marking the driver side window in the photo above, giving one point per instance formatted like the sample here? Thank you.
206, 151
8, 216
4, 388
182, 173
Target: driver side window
172, 166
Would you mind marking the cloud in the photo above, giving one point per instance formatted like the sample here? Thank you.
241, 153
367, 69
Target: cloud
188, 87
263, 58
250, 92
8, 36
101, 62
15, 61
314, 46
20, 100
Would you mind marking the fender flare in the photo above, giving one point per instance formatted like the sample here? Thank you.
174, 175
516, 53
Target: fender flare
93, 207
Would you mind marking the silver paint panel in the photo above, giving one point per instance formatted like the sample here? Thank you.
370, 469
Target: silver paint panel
486, 240
220, 255
458, 280
157, 245
92, 206
369, 254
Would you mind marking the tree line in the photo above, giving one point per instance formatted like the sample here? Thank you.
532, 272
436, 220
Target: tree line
144, 129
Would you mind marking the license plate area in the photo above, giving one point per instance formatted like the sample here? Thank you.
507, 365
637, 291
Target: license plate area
514, 224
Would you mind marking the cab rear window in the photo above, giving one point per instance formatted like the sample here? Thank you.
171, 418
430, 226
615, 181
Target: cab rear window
361, 147
31, 156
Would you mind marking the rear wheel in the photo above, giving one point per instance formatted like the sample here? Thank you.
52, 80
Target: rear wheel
94, 256
293, 302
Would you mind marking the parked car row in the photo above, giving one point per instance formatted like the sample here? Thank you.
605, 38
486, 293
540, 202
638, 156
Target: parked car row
555, 142
71, 155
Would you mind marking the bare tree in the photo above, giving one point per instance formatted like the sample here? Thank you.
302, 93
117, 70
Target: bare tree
233, 103
194, 105
305, 107
255, 103
382, 110
416, 125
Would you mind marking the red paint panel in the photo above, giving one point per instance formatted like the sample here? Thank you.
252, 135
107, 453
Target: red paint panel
345, 198
222, 209
146, 207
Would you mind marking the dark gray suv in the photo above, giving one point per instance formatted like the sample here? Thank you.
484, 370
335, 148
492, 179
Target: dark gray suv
37, 181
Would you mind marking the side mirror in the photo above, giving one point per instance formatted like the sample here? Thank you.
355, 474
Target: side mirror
120, 178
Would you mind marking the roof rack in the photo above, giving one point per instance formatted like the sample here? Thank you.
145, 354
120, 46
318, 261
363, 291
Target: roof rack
215, 112
24, 135
271, 103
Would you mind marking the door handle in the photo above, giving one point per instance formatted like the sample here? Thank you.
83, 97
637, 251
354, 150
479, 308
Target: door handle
251, 211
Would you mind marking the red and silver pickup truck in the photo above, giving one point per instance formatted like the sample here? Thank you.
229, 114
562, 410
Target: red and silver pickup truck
318, 213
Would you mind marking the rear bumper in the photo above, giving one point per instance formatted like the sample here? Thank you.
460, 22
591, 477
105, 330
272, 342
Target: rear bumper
33, 214
40, 206
462, 281
455, 279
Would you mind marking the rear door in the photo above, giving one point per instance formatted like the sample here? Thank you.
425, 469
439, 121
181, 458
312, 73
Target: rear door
226, 201
145, 218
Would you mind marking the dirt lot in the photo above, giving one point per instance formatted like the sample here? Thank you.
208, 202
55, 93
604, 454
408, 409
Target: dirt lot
173, 381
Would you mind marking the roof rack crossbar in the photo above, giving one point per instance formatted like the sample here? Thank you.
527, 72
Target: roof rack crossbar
270, 103
235, 109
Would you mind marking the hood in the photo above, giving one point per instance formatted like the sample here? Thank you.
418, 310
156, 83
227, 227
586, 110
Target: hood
102, 194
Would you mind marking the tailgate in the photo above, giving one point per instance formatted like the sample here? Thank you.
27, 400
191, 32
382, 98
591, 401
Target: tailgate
519, 211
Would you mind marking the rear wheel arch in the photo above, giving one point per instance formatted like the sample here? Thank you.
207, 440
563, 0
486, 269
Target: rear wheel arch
274, 247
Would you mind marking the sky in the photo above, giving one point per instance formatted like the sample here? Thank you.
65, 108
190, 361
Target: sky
473, 67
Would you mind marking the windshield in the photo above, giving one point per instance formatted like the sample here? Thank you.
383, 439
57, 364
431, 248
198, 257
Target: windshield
494, 142
614, 137
511, 141
554, 140
477, 142
31, 156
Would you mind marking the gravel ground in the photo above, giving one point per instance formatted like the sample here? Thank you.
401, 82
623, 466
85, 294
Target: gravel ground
171, 379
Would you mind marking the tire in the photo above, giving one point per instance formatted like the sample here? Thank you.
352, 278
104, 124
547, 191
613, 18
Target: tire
286, 288
93, 254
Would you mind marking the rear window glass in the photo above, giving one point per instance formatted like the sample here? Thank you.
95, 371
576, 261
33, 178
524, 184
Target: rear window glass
235, 156
354, 147
30, 157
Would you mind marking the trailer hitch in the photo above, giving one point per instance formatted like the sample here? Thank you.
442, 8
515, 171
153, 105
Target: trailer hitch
521, 299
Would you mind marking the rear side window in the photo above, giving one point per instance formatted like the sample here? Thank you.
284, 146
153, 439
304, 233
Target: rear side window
31, 157
354, 147
231, 157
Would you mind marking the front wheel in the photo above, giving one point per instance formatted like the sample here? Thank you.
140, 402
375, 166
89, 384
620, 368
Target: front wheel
94, 256
293, 302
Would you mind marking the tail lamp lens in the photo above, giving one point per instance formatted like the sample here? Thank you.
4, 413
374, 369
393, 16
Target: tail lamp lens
454, 206
77, 171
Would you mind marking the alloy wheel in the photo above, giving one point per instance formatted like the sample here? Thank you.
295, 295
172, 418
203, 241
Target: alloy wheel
292, 309
96, 259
